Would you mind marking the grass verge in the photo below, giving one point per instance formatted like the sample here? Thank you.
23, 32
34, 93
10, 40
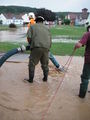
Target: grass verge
57, 48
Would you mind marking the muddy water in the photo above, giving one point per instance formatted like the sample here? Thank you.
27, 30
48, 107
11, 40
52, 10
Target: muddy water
20, 100
14, 35
19, 35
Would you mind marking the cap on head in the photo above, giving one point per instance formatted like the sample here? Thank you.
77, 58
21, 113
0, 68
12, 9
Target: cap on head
31, 15
39, 19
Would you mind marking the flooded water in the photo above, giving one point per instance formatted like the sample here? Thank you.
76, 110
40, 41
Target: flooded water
63, 40
13, 35
19, 35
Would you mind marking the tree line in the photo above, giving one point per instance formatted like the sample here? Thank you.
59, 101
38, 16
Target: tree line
47, 14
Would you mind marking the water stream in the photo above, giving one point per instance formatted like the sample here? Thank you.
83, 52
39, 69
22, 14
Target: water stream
19, 35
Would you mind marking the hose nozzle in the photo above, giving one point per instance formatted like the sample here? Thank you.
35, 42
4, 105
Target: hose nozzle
22, 48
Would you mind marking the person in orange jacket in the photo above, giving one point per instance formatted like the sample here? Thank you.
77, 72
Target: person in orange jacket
32, 22
31, 19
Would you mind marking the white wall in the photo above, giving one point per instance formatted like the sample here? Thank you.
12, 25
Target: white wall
9, 21
2, 17
25, 18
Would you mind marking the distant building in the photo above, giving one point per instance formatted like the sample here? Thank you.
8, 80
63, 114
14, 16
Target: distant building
11, 18
78, 18
88, 20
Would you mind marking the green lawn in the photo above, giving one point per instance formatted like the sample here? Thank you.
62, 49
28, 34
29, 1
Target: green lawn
66, 49
2, 27
57, 48
70, 31
6, 46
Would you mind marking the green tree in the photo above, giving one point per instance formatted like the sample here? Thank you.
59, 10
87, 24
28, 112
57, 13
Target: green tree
66, 21
47, 14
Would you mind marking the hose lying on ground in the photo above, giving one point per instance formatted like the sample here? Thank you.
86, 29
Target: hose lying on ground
22, 49
10, 53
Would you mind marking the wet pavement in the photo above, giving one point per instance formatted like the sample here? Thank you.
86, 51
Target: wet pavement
55, 99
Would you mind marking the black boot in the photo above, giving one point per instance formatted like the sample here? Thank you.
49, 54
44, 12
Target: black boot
82, 95
30, 80
83, 90
31, 76
45, 77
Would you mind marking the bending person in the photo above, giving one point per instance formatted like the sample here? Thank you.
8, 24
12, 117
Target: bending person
51, 57
40, 42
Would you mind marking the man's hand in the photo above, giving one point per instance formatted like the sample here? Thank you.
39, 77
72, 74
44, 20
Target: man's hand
77, 45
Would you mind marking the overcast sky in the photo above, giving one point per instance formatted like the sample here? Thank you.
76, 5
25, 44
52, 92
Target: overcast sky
54, 5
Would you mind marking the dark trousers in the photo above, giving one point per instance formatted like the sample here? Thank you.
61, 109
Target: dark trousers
84, 80
38, 54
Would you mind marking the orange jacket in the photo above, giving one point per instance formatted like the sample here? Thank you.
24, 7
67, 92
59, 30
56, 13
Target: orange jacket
32, 22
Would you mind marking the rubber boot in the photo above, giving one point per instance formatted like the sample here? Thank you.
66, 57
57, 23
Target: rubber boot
31, 76
82, 91
45, 76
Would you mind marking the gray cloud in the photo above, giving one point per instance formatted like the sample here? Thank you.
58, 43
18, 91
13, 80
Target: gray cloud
54, 5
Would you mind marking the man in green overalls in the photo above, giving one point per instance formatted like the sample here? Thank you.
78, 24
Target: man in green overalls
39, 38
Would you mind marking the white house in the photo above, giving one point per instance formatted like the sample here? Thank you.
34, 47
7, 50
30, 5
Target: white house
11, 18
25, 18
3, 19
16, 19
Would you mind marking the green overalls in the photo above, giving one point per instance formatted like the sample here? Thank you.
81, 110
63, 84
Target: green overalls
40, 43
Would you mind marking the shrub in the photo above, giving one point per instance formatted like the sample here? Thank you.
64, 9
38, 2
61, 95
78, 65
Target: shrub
12, 25
66, 21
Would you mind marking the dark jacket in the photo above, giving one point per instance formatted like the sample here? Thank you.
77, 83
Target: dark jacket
40, 36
